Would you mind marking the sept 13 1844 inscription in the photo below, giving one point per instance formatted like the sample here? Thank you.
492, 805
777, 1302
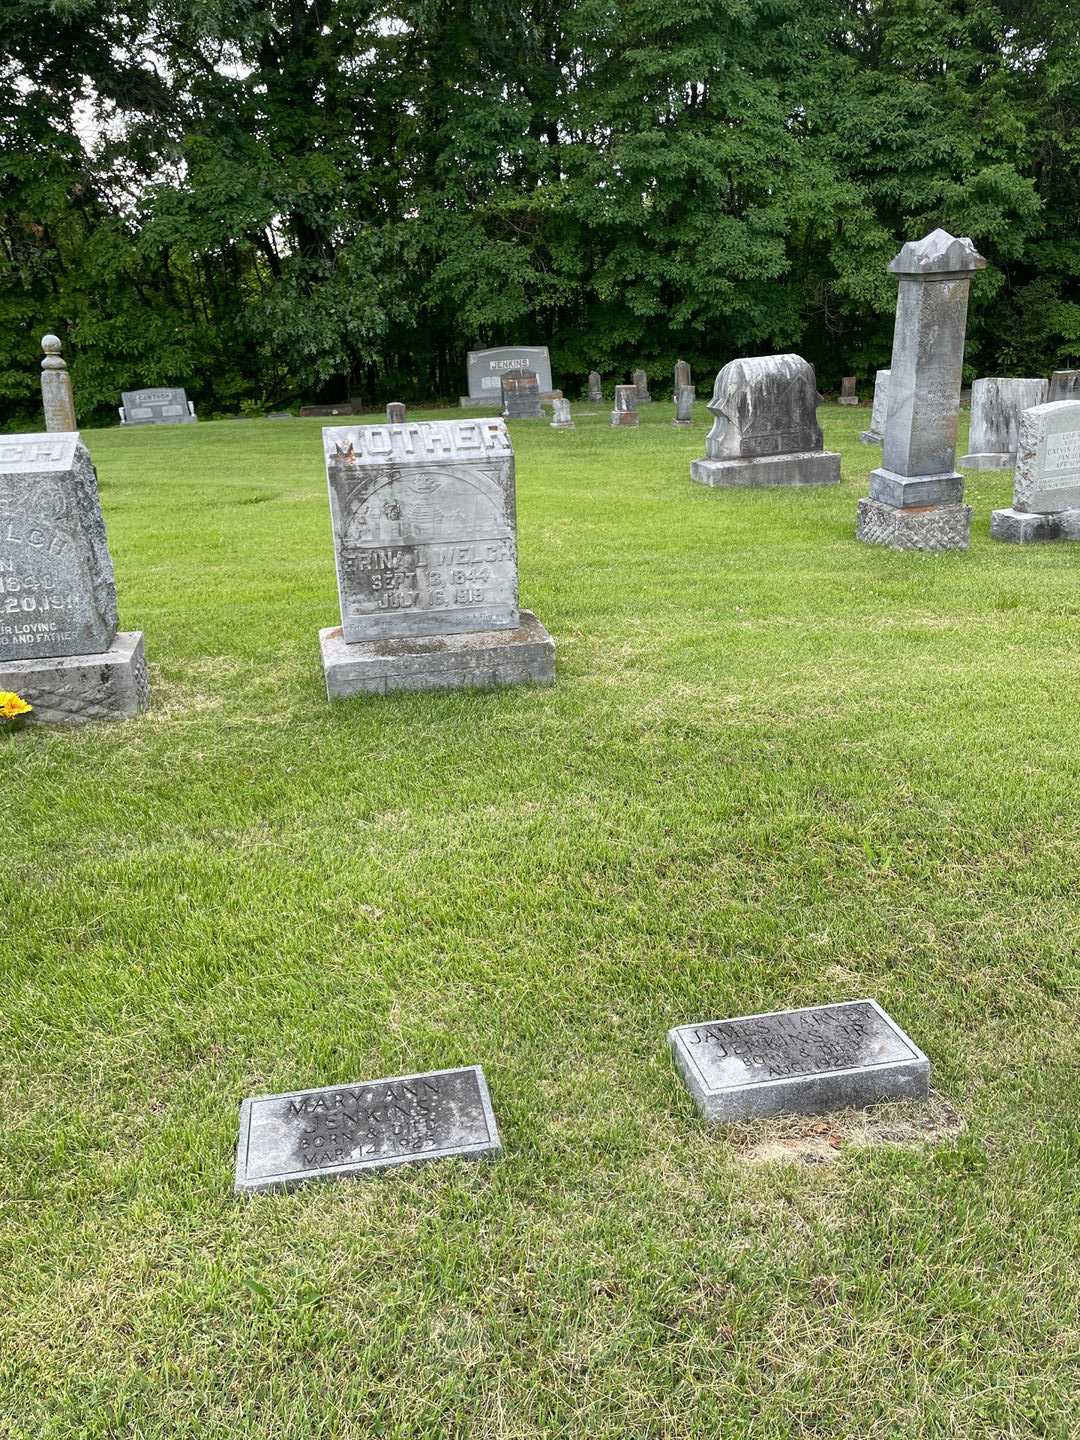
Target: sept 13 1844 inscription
342, 1130
824, 1057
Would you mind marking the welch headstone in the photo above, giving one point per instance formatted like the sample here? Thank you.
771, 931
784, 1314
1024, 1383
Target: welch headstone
57, 399
59, 646
916, 496
594, 391
1064, 385
876, 434
521, 397
765, 429
561, 419
425, 541
641, 388
485, 370
1046, 485
344, 1130
395, 413
996, 407
804, 1062
684, 406
625, 412
163, 406
847, 390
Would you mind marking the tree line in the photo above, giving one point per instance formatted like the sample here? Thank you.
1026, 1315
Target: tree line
269, 201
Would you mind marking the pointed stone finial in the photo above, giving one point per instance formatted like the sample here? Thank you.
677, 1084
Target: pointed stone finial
57, 399
938, 253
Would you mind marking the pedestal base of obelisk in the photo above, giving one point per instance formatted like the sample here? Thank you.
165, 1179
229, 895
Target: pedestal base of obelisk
480, 659
72, 689
928, 527
1020, 527
805, 467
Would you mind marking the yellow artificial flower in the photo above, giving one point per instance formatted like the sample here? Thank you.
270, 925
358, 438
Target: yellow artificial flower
12, 705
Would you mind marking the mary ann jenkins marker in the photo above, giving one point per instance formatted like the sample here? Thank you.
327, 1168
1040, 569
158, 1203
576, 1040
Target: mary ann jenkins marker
825, 1057
343, 1130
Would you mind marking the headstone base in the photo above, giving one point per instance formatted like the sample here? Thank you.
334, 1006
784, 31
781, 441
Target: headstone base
998, 461
849, 400
871, 437
475, 402
1019, 527
804, 467
625, 417
72, 689
682, 424
916, 492
933, 528
438, 662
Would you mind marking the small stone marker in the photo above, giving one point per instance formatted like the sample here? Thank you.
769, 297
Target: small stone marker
324, 412
765, 429
59, 647
1046, 485
847, 390
595, 390
684, 405
625, 412
916, 496
486, 368
561, 419
57, 399
342, 1130
803, 1062
521, 397
280, 415
641, 388
1064, 385
395, 413
157, 407
876, 434
996, 407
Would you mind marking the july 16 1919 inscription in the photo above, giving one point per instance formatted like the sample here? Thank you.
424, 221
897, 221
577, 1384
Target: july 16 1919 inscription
341, 1130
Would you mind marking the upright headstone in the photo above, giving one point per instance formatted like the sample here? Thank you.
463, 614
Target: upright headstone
1064, 385
916, 496
395, 413
641, 388
847, 390
486, 368
164, 406
765, 429
561, 419
683, 377
521, 397
684, 405
1046, 486
425, 540
876, 434
56, 398
996, 407
59, 646
595, 391
625, 412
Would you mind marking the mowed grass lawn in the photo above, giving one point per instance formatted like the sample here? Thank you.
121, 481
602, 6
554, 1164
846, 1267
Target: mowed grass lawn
778, 767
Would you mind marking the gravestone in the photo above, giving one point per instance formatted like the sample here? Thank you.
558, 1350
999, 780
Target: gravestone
1064, 385
561, 417
876, 434
521, 397
342, 1130
486, 368
641, 388
59, 646
625, 412
916, 496
847, 390
280, 415
395, 413
996, 407
683, 377
325, 412
765, 429
684, 405
169, 406
425, 540
803, 1062
57, 399
1046, 485
595, 391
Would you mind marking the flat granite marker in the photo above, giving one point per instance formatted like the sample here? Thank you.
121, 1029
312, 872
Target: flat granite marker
641, 388
342, 1130
803, 1062
521, 397
625, 412
996, 407
765, 429
1046, 485
1064, 385
425, 540
876, 434
166, 406
485, 370
59, 647
594, 388
916, 496
847, 390
57, 399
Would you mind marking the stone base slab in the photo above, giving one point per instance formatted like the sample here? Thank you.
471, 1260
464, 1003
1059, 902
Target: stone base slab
625, 417
805, 467
1020, 527
849, 400
870, 437
998, 461
906, 492
682, 424
934, 528
72, 689
438, 662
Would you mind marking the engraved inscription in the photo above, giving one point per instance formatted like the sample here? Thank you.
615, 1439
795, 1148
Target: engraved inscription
378, 1120
802, 1043
1063, 455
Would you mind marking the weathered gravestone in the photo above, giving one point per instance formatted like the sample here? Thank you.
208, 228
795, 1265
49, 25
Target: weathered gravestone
1064, 385
996, 407
343, 1130
1046, 486
683, 377
59, 646
57, 399
847, 390
876, 434
521, 397
765, 429
684, 405
916, 496
641, 388
395, 413
595, 390
169, 406
325, 412
486, 368
805, 1062
561, 419
625, 412
425, 540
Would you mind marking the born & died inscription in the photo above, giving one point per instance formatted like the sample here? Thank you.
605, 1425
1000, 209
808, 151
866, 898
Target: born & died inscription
1062, 456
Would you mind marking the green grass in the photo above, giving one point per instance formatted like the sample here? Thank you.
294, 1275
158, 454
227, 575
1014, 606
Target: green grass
778, 767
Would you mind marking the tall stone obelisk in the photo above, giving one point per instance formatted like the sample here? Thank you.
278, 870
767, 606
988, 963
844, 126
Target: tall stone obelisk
56, 398
916, 496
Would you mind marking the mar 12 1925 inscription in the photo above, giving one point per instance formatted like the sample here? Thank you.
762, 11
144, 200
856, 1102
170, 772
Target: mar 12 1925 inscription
825, 1057
425, 527
342, 1130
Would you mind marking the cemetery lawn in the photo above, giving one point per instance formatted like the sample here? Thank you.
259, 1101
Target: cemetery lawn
778, 768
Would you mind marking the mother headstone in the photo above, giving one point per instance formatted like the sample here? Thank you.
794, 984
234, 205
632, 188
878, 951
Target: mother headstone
996, 407
1046, 486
